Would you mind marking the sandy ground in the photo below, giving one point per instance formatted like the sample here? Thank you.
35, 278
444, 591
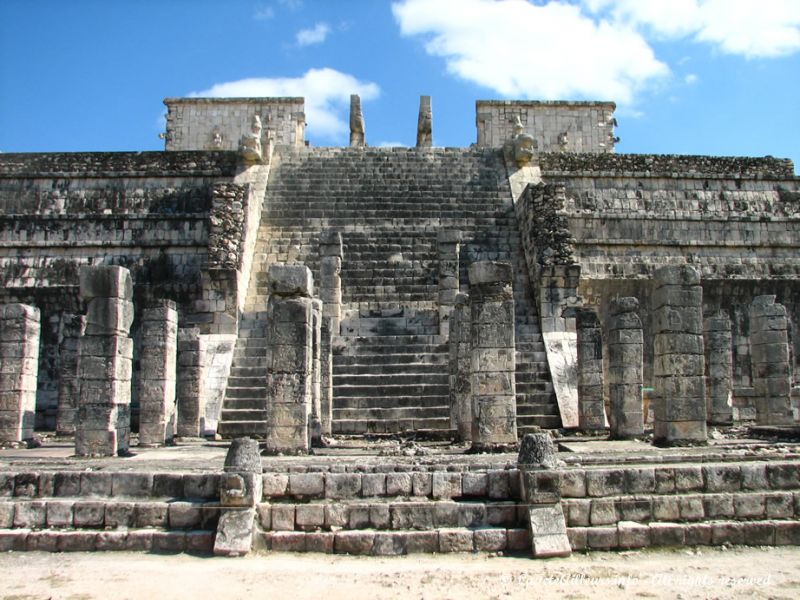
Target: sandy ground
683, 573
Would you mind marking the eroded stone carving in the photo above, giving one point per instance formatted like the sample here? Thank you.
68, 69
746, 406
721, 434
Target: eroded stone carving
523, 145
250, 145
425, 123
358, 136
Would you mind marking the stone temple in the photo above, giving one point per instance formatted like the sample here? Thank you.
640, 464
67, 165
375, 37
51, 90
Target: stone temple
372, 334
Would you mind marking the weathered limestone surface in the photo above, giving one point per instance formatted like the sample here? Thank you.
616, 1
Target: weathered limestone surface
105, 363
591, 407
157, 373
448, 247
330, 292
772, 371
72, 327
315, 423
19, 365
494, 415
425, 123
718, 342
680, 410
460, 368
358, 136
290, 359
191, 382
241, 487
625, 369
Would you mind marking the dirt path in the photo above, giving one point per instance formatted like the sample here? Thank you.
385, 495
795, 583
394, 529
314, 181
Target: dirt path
704, 573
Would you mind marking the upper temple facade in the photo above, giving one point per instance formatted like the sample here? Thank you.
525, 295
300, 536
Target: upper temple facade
473, 293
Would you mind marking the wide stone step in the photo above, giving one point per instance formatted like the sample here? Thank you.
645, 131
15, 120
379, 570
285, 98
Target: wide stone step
379, 349
390, 359
241, 371
246, 381
364, 402
234, 429
250, 362
395, 543
161, 541
233, 404
407, 412
388, 340
385, 379
354, 391
530, 424
541, 409
246, 392
363, 426
231, 414
387, 369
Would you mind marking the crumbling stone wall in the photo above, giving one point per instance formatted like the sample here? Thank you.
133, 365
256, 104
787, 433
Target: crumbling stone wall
19, 358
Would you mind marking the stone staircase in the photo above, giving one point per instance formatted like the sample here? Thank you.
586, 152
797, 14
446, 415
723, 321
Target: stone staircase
94, 510
389, 205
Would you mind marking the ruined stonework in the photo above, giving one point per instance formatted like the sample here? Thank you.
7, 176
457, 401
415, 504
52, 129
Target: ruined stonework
460, 362
19, 365
157, 373
771, 367
105, 363
290, 359
448, 247
494, 416
72, 328
680, 409
625, 343
315, 423
240, 491
330, 292
191, 382
358, 136
425, 123
591, 407
718, 343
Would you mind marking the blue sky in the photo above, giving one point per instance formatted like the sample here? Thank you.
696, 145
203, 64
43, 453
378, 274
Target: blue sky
718, 77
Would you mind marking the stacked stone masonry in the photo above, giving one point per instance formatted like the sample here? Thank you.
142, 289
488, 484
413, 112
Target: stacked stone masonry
625, 342
19, 365
719, 368
772, 369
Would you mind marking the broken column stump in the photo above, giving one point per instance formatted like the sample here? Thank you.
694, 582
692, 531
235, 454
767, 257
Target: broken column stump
105, 362
772, 370
494, 410
591, 408
19, 368
289, 359
157, 373
460, 369
625, 346
240, 491
678, 372
541, 489
718, 342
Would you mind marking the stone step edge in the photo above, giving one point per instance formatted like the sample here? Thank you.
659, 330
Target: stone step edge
628, 535
166, 541
395, 543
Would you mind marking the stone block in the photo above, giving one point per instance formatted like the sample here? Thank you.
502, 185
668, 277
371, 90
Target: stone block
605, 482
290, 280
283, 517
422, 542
151, 514
445, 485
455, 540
89, 514
134, 485
320, 541
275, 485
120, 515
718, 506
698, 534
603, 512
108, 316
309, 517
373, 484
783, 476
602, 538
336, 516
30, 514
380, 516
342, 485
667, 534
106, 282
483, 272
354, 542
490, 540
185, 515
399, 484
306, 485
389, 544
779, 505
640, 481
722, 478
633, 535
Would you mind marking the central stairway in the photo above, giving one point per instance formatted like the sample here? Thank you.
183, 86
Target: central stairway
389, 204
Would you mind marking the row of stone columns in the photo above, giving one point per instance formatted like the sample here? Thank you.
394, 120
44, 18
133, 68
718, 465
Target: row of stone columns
685, 345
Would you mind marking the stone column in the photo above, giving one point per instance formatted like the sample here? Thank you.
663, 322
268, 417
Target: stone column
625, 345
316, 376
460, 363
448, 246
20, 328
494, 410
680, 410
769, 350
425, 123
330, 292
718, 342
289, 359
157, 373
190, 383
591, 408
241, 488
72, 327
105, 362
357, 129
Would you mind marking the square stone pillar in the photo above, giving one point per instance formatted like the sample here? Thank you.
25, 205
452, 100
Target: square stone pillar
20, 328
316, 365
625, 346
330, 292
448, 247
460, 369
72, 328
289, 359
494, 410
105, 362
190, 386
157, 373
772, 371
718, 341
680, 410
591, 408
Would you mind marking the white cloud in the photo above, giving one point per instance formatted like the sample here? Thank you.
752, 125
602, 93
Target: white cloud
314, 35
263, 13
327, 93
690, 79
750, 28
520, 49
392, 145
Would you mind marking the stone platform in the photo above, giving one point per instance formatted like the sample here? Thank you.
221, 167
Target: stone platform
389, 498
